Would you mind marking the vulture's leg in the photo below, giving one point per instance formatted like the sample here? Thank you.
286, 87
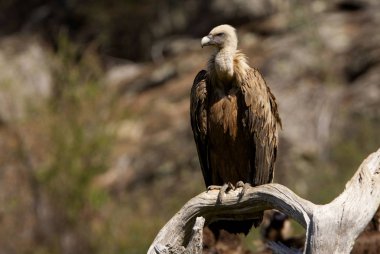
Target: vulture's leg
244, 186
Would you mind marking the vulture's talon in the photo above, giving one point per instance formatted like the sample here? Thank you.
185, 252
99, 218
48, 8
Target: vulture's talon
244, 186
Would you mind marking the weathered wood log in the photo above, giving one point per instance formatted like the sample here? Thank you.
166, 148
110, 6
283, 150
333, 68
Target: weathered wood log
330, 228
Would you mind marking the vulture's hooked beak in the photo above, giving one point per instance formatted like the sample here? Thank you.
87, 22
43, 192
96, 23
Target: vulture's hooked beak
207, 41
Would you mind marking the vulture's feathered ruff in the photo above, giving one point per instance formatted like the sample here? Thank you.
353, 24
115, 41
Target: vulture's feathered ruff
234, 119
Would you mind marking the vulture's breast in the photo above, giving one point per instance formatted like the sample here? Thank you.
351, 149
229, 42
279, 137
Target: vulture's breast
223, 116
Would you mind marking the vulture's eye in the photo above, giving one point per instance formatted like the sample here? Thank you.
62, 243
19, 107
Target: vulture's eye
219, 34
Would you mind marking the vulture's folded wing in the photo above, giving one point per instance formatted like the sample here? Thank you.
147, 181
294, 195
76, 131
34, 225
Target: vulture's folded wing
261, 120
198, 116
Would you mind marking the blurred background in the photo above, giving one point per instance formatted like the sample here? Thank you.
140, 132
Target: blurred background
96, 149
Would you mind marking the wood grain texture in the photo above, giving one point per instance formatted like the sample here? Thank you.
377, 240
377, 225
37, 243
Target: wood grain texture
330, 228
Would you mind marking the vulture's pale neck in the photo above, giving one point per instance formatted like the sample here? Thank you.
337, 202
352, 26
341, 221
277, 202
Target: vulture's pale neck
224, 63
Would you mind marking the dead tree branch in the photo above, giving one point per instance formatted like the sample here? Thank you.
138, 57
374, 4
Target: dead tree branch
330, 228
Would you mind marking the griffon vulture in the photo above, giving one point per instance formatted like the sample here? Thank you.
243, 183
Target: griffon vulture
235, 122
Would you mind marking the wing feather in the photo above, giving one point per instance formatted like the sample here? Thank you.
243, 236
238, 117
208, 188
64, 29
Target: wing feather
262, 120
198, 116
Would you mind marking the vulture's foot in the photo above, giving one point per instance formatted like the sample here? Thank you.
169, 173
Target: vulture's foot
244, 186
225, 188
240, 184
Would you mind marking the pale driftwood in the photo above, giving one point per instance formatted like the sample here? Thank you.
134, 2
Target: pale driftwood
330, 228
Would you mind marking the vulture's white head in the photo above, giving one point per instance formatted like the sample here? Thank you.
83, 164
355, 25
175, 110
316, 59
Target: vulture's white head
223, 36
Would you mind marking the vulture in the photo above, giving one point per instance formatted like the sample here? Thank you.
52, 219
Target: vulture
235, 122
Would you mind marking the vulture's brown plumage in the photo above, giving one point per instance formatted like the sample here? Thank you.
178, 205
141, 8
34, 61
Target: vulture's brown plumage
234, 119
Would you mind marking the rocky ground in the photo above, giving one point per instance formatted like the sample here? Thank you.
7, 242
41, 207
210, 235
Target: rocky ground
97, 153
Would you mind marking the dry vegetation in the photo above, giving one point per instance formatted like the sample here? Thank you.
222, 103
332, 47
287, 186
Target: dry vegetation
96, 151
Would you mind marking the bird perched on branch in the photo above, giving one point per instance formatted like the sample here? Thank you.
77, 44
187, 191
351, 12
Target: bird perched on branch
235, 122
